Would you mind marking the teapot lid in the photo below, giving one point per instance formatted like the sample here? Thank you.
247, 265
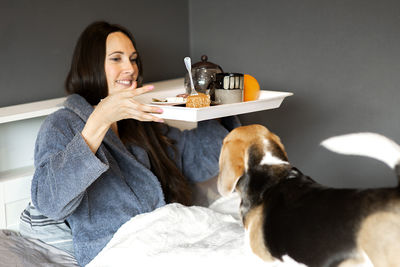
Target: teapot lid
205, 64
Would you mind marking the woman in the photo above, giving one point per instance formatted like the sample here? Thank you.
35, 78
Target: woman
105, 157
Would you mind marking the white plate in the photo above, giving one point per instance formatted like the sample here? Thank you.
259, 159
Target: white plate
267, 100
168, 103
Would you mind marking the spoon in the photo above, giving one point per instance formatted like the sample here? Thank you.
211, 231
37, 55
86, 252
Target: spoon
188, 64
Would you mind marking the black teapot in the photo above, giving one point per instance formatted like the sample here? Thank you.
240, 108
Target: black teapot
203, 74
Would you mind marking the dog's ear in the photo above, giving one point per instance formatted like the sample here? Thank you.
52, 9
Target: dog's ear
231, 165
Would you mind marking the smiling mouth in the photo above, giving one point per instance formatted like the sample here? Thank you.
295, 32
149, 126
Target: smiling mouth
124, 82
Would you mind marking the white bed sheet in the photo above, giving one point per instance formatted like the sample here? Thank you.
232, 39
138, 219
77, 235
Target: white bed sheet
182, 236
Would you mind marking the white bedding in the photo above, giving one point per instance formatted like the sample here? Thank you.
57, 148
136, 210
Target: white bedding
182, 236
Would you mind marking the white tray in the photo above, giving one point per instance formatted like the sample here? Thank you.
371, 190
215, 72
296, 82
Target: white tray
267, 100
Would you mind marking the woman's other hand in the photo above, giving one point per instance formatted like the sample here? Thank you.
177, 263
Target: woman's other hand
119, 105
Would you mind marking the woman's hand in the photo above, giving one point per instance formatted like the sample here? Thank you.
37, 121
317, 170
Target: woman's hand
122, 105
115, 107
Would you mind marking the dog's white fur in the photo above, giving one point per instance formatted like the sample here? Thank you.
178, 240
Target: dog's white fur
365, 144
268, 158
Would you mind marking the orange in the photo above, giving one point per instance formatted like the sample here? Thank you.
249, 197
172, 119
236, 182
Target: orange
251, 88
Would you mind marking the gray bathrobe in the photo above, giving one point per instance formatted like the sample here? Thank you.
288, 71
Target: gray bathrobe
97, 193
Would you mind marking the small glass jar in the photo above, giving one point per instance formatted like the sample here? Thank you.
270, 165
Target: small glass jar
228, 88
203, 74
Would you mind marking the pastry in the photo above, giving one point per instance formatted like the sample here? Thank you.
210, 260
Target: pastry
198, 101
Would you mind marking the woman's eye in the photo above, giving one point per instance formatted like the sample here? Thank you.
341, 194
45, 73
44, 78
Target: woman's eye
116, 59
133, 60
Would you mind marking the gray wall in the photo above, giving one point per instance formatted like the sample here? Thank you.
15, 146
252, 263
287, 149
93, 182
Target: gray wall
341, 59
37, 39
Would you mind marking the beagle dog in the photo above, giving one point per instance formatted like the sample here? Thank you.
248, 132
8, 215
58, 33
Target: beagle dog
287, 214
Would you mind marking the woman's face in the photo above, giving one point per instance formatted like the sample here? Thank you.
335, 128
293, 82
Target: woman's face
120, 63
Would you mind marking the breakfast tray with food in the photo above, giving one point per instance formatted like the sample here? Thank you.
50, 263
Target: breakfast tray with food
175, 108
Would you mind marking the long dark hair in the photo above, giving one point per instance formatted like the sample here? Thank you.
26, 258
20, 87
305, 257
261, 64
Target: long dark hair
87, 78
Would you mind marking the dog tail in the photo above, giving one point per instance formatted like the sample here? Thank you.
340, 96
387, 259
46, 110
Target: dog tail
367, 144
